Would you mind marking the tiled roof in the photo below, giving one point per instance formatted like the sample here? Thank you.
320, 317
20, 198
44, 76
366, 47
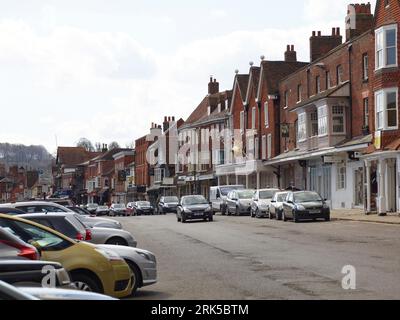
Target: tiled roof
243, 83
73, 156
254, 79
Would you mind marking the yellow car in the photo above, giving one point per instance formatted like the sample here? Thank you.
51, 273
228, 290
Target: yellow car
90, 268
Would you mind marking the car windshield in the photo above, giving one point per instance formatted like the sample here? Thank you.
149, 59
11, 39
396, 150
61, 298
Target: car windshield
267, 194
281, 197
226, 190
193, 200
307, 197
34, 235
247, 194
143, 203
171, 199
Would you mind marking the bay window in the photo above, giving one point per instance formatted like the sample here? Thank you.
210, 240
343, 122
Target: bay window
314, 123
338, 119
322, 121
386, 106
302, 127
386, 47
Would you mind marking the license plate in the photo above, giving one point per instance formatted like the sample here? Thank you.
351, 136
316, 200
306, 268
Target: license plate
198, 213
314, 211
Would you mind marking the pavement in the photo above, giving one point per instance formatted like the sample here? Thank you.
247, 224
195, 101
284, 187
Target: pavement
239, 258
360, 216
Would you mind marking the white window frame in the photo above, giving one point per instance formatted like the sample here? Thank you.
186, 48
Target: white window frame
299, 92
241, 121
264, 147
253, 118
302, 127
266, 114
323, 121
383, 109
365, 63
341, 176
286, 99
341, 115
380, 34
269, 146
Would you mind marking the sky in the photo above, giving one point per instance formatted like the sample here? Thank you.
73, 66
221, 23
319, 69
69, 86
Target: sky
107, 69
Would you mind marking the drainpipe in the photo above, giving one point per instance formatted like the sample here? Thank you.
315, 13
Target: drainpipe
350, 50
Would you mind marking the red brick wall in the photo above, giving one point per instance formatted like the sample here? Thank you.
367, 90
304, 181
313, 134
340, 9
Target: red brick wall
141, 165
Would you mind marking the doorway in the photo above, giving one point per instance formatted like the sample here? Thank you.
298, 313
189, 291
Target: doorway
358, 187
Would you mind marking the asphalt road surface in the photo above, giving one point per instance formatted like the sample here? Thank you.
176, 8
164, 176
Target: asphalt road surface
243, 258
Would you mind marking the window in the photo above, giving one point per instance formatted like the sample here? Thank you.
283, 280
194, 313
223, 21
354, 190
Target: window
328, 83
314, 123
286, 99
242, 121
322, 121
317, 85
299, 92
365, 66
341, 177
338, 119
266, 115
386, 105
264, 147
253, 118
302, 127
339, 74
269, 146
386, 47
366, 112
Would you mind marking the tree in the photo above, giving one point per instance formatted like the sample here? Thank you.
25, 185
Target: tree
113, 145
85, 143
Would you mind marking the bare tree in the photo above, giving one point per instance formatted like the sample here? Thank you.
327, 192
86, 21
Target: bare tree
85, 143
113, 145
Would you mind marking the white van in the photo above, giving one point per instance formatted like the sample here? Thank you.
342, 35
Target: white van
218, 197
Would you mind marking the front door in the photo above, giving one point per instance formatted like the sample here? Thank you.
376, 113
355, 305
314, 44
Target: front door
358, 187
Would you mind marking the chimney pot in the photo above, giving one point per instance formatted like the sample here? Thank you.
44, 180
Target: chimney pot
319, 33
292, 48
313, 33
165, 119
173, 118
288, 48
338, 31
333, 31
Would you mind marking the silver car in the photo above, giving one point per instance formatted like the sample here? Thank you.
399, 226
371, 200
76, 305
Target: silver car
261, 202
239, 202
71, 225
41, 206
276, 206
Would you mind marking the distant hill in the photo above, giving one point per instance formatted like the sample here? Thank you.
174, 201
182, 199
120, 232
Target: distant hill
30, 157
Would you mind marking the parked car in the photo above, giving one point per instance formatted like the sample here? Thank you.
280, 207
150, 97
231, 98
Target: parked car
143, 207
305, 205
168, 205
30, 273
63, 202
218, 197
102, 211
130, 207
194, 208
276, 205
11, 211
90, 268
92, 207
12, 247
81, 211
239, 202
261, 202
118, 209
71, 225
41, 206
9, 293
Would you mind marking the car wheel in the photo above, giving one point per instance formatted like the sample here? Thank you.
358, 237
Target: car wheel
183, 218
117, 241
270, 215
283, 216
328, 218
136, 276
84, 282
223, 210
177, 218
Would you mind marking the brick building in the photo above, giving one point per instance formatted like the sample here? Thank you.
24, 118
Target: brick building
122, 163
142, 176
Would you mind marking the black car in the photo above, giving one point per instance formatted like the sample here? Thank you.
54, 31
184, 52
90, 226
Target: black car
194, 208
34, 273
305, 205
143, 208
168, 205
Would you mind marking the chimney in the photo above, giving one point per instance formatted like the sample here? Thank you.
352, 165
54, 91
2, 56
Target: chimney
359, 19
104, 148
213, 86
321, 45
290, 54
166, 123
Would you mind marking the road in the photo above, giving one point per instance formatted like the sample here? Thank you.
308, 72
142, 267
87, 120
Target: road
243, 258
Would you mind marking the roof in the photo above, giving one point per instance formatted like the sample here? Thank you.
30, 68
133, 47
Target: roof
110, 153
6, 180
272, 72
243, 82
253, 82
73, 156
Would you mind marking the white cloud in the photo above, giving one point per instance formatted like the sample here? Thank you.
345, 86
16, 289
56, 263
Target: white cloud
218, 14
